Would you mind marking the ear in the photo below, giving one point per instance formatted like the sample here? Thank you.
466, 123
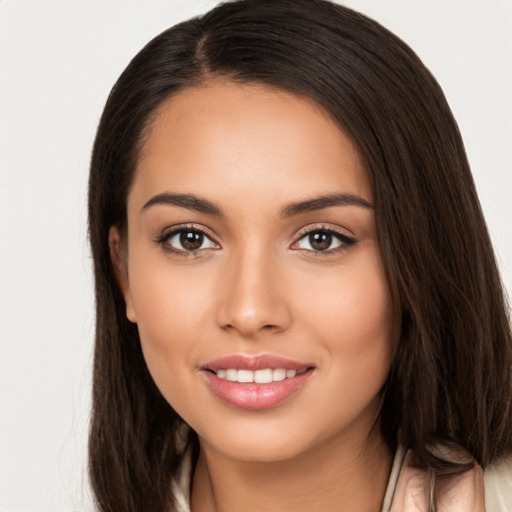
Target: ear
119, 264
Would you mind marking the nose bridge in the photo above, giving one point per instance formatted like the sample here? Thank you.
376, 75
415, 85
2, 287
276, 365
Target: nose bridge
253, 298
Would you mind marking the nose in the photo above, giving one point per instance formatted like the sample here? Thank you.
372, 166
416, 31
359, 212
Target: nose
253, 295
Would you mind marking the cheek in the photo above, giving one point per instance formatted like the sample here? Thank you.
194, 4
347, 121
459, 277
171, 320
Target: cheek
353, 302
351, 315
170, 311
168, 297
354, 331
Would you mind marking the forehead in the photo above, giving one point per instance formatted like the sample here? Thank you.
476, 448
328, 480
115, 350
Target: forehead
240, 138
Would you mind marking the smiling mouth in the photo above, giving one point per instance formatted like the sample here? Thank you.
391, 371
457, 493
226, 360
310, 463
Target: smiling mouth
255, 383
263, 376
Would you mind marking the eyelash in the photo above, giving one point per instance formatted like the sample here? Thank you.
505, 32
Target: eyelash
345, 241
166, 236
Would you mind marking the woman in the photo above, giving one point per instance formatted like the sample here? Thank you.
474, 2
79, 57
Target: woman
297, 300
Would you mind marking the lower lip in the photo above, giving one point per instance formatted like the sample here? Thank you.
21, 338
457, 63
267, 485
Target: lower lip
252, 396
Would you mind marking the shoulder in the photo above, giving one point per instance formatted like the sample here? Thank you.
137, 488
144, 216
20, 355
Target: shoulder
498, 486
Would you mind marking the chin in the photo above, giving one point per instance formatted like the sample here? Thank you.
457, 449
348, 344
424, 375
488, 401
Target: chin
262, 439
262, 449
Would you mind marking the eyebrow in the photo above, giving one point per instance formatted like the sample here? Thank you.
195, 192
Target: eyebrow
188, 201
326, 201
199, 204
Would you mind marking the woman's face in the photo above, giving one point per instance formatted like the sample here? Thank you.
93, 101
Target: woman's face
252, 255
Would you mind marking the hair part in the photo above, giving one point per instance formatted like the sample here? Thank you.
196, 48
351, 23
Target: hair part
451, 380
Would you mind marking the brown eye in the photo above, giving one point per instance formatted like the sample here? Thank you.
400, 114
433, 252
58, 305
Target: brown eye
323, 240
320, 241
187, 241
191, 240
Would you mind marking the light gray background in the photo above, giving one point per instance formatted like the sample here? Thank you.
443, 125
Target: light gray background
58, 61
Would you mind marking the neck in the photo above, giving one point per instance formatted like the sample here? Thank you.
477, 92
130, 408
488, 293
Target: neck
336, 475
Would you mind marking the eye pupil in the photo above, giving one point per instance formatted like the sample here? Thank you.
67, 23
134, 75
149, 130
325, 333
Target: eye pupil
320, 241
191, 240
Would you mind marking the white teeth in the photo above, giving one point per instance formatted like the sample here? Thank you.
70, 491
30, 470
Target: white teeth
231, 375
246, 376
263, 376
259, 376
278, 374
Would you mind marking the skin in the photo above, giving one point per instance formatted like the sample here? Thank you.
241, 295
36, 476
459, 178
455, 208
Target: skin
259, 287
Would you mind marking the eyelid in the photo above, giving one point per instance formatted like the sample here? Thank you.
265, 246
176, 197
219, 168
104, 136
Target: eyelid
323, 226
171, 231
346, 240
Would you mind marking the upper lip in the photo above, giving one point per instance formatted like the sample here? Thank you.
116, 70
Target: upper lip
261, 362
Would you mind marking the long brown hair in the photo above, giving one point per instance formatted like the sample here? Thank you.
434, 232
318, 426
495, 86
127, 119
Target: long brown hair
451, 380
